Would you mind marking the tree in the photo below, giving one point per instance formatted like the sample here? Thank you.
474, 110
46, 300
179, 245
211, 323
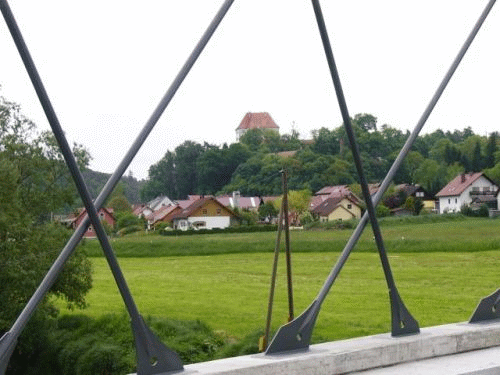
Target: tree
186, 176
267, 211
325, 142
162, 179
34, 182
118, 202
365, 121
491, 149
298, 201
477, 160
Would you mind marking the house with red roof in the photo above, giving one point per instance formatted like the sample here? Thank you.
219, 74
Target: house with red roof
105, 215
259, 120
463, 190
337, 207
332, 192
204, 213
164, 214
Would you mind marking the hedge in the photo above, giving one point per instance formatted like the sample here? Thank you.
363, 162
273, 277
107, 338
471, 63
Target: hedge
238, 229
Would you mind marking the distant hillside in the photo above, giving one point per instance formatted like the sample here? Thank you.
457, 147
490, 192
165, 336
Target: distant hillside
96, 180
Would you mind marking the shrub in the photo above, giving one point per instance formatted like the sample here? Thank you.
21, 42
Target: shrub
125, 220
83, 346
237, 229
130, 229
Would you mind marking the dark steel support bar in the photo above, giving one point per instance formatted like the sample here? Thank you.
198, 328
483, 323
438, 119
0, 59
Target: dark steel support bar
296, 335
267, 330
288, 254
7, 342
402, 321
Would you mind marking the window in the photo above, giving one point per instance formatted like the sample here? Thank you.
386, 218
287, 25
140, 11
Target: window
204, 211
219, 212
349, 206
456, 200
419, 194
449, 200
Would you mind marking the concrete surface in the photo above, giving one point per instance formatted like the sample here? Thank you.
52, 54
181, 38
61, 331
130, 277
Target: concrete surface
434, 349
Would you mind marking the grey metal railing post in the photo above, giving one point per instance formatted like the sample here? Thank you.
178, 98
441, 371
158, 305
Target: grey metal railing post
297, 334
155, 353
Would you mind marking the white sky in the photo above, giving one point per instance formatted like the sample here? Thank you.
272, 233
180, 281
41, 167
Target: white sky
106, 64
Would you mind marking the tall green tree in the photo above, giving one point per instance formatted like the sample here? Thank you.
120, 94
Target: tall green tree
34, 183
491, 149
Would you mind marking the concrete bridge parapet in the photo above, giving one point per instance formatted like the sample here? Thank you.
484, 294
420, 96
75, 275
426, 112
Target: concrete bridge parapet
371, 352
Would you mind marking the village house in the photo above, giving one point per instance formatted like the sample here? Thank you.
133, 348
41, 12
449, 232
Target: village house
260, 120
105, 214
403, 191
204, 213
464, 189
332, 192
337, 208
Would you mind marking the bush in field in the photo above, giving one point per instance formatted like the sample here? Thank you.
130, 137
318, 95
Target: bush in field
237, 229
85, 346
130, 229
482, 211
382, 210
127, 219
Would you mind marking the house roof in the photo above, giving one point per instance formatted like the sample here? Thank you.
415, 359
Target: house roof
260, 120
188, 202
197, 204
329, 205
339, 190
137, 209
316, 200
83, 211
161, 213
458, 185
242, 202
158, 202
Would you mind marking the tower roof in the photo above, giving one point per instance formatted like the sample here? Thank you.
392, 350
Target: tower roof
260, 120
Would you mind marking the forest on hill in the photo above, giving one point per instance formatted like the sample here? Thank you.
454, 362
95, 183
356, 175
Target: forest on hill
252, 166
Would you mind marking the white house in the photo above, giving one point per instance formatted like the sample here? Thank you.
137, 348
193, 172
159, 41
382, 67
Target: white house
463, 189
204, 213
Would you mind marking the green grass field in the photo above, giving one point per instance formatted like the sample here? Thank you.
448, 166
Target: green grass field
442, 270
465, 235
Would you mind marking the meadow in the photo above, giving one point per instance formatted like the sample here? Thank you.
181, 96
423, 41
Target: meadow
442, 270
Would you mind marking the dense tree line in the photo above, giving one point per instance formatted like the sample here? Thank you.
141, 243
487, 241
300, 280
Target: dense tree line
252, 165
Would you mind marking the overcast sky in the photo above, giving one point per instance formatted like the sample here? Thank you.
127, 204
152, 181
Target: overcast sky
106, 64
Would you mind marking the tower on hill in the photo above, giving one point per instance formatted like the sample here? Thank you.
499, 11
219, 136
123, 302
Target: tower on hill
260, 120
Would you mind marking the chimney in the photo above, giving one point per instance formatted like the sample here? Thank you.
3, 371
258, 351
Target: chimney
462, 178
236, 199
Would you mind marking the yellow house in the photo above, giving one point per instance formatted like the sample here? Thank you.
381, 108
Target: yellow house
337, 208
